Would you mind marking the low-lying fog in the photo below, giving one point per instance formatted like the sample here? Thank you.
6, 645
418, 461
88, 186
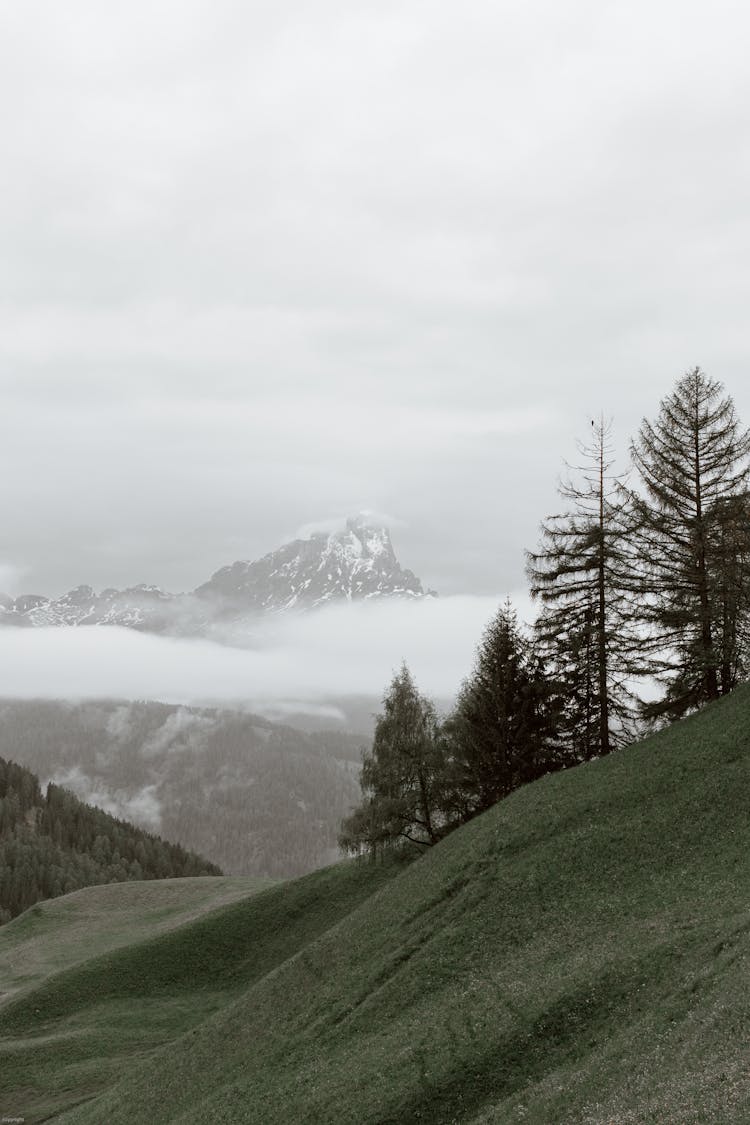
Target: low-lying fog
291, 663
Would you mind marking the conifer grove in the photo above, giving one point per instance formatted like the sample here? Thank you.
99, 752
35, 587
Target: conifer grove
642, 583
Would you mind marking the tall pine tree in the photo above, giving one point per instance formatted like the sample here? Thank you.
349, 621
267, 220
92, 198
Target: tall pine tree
692, 541
580, 574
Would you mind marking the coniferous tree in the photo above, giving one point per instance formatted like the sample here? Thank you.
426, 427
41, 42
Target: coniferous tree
729, 539
580, 574
502, 731
692, 541
401, 775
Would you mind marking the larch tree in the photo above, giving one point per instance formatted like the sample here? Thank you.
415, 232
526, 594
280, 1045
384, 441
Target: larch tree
729, 546
580, 575
692, 541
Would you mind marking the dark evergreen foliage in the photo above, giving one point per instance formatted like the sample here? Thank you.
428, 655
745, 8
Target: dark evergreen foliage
581, 574
692, 541
422, 779
401, 776
503, 731
729, 547
632, 584
53, 844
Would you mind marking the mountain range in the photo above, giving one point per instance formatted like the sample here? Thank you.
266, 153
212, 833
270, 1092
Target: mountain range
357, 562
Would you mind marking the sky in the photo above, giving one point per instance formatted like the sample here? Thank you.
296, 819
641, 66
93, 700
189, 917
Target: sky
264, 265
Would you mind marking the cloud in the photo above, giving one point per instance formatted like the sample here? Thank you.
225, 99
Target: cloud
338, 523
11, 576
142, 807
289, 711
184, 728
341, 650
328, 526
119, 724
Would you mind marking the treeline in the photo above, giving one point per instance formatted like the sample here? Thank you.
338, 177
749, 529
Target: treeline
51, 844
642, 578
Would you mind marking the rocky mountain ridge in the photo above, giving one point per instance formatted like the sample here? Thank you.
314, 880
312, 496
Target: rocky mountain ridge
355, 563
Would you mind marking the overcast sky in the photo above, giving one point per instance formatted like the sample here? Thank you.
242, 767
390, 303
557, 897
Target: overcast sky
266, 264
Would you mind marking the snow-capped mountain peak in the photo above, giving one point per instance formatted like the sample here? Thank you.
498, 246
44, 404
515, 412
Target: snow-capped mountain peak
355, 562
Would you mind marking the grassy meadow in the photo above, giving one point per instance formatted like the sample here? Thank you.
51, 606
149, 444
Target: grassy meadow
577, 955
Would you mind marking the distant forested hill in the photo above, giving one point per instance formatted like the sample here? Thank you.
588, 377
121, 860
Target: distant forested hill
256, 797
51, 844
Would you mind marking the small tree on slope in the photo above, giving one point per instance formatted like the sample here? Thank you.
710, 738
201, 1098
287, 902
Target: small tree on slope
502, 731
401, 776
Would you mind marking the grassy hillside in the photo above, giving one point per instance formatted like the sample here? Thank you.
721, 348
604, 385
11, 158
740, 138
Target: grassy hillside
60, 932
576, 955
77, 1031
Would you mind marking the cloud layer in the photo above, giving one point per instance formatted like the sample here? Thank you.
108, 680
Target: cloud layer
340, 651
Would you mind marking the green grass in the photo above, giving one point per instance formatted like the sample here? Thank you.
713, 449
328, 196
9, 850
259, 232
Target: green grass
60, 932
70, 1036
577, 955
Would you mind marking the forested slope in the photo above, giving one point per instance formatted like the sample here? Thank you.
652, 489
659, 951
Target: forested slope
53, 844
